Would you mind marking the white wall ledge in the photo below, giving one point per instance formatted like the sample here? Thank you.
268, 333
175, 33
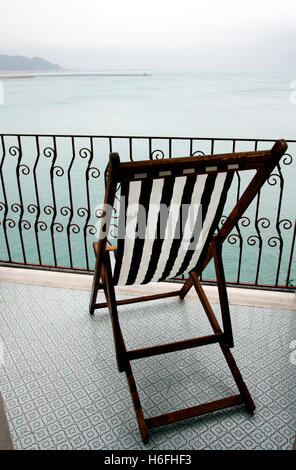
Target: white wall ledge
237, 296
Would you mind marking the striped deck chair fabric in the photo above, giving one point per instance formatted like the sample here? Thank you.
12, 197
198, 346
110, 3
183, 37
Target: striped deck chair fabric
178, 218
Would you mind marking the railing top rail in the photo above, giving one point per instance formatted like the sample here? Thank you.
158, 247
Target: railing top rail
103, 136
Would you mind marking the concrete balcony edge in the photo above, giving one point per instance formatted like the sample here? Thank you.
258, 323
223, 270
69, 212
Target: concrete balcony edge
237, 296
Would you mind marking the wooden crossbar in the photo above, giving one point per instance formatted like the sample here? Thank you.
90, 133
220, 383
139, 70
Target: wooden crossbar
177, 346
141, 299
202, 164
185, 413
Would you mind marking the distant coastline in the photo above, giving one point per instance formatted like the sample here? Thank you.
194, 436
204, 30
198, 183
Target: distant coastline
20, 63
20, 67
20, 75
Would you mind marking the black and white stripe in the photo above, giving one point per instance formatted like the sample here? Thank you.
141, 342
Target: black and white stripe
140, 260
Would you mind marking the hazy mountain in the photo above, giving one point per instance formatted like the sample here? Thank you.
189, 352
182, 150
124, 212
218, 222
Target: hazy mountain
20, 63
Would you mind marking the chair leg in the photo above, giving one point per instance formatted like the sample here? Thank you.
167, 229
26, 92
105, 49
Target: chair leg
96, 285
137, 404
250, 405
223, 297
185, 288
93, 297
120, 348
224, 346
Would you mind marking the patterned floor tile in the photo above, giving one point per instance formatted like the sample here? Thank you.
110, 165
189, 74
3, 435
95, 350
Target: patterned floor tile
62, 390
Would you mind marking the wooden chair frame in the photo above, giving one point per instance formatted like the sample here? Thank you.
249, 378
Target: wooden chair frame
263, 162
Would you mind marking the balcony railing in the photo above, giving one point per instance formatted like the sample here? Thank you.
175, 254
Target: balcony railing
52, 189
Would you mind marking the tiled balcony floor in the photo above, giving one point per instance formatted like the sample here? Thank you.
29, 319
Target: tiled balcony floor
62, 390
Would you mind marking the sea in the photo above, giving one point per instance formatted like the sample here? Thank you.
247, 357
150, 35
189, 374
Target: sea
248, 104
224, 104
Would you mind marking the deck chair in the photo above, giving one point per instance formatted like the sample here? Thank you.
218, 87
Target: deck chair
201, 181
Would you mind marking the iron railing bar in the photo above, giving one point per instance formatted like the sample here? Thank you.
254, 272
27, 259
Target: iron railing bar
110, 142
21, 203
54, 215
278, 224
5, 199
71, 200
88, 201
291, 257
131, 149
257, 228
237, 225
37, 199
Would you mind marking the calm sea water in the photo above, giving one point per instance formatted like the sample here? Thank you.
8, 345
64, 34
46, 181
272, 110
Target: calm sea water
254, 104
197, 104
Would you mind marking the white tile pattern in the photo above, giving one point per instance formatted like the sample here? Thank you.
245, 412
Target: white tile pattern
62, 389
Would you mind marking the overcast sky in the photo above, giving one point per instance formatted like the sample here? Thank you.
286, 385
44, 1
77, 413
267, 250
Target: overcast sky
152, 34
